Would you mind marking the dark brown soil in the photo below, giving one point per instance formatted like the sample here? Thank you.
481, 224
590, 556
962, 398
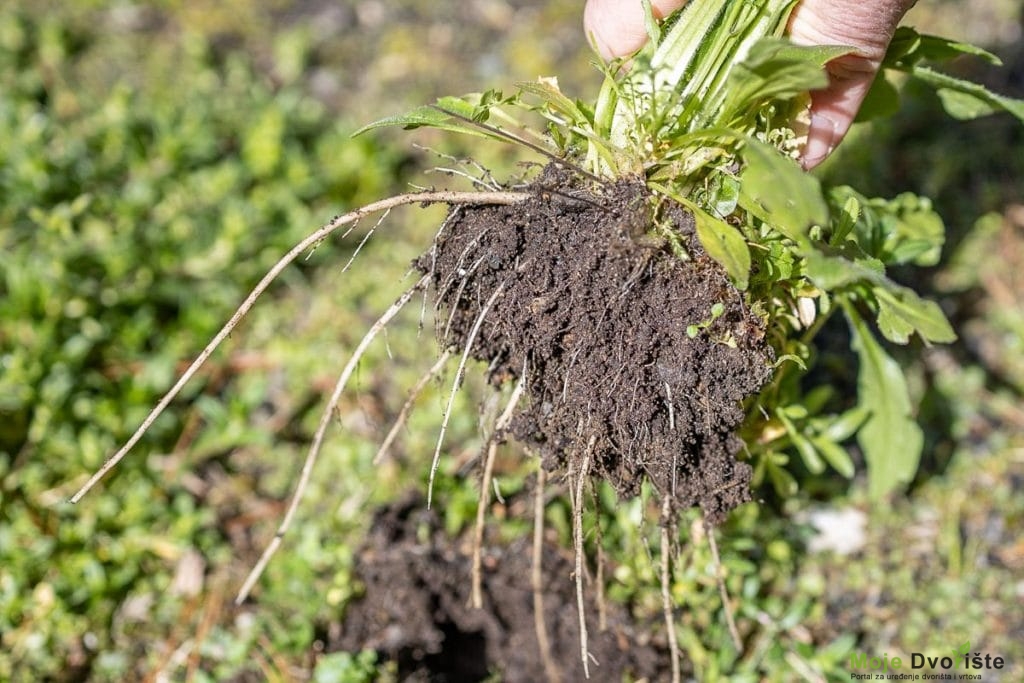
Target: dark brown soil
415, 610
598, 309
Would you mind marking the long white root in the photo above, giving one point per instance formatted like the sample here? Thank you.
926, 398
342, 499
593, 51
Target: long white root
443, 197
318, 438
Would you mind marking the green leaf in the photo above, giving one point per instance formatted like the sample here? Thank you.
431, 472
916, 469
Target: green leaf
882, 100
917, 232
808, 453
427, 116
844, 426
890, 438
901, 312
849, 214
961, 99
727, 194
721, 241
831, 272
910, 47
726, 245
783, 482
548, 91
963, 106
965, 100
777, 69
836, 456
776, 190
651, 24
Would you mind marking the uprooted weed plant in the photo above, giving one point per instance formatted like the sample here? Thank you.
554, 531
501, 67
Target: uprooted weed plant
653, 295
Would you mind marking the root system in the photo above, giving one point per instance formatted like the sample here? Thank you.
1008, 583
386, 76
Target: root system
606, 299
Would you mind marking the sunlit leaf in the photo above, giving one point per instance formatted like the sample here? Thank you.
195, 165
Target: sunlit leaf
777, 69
777, 191
902, 312
720, 240
910, 47
831, 272
969, 100
844, 426
426, 116
549, 93
726, 245
890, 438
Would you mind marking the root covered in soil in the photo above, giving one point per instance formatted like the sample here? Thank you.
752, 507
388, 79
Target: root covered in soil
416, 610
616, 331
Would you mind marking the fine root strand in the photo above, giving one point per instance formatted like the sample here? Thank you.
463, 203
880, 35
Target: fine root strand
443, 197
666, 593
536, 580
577, 537
366, 238
730, 618
318, 439
403, 414
602, 607
455, 386
476, 594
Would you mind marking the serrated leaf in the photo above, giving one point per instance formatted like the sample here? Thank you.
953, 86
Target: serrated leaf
776, 190
902, 312
890, 438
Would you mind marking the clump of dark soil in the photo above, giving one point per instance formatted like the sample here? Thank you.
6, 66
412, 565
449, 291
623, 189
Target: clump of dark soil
415, 610
596, 306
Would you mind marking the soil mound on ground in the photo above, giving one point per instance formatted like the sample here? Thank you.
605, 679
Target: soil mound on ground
596, 306
415, 610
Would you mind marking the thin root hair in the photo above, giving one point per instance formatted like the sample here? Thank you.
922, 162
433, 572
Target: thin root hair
423, 198
318, 438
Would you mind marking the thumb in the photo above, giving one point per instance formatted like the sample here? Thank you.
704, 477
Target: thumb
617, 27
868, 27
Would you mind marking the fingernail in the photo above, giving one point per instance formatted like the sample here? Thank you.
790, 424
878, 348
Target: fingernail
821, 140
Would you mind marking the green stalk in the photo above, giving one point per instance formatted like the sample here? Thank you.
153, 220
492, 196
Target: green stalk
678, 85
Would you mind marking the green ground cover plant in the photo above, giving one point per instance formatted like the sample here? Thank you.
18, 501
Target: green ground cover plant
131, 221
760, 553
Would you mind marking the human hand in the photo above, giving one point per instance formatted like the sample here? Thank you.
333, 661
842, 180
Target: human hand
617, 29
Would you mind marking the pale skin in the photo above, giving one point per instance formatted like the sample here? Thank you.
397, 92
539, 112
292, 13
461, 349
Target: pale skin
617, 29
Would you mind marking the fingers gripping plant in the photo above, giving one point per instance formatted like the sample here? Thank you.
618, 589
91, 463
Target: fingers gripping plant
655, 294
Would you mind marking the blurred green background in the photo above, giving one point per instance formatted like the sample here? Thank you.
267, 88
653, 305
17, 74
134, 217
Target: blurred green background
156, 158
